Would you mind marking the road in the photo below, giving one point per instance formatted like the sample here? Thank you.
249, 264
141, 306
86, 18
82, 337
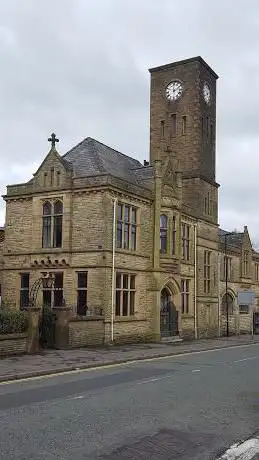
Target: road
192, 406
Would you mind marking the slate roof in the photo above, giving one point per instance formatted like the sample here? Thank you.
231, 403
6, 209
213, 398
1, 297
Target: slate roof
234, 239
92, 158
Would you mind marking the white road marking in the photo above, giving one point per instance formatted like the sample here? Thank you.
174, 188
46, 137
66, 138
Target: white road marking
155, 379
245, 359
77, 397
245, 451
129, 362
150, 380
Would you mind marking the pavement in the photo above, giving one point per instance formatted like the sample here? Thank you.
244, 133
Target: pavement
56, 361
192, 406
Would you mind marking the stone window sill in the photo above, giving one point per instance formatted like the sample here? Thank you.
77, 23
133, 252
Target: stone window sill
86, 318
125, 319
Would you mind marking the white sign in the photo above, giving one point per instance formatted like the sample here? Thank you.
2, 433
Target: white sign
245, 297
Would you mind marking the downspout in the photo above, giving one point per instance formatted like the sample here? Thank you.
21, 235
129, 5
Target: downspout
113, 265
195, 283
219, 328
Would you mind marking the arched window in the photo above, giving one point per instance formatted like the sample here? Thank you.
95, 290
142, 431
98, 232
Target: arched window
227, 304
57, 224
46, 225
47, 208
163, 234
52, 216
58, 208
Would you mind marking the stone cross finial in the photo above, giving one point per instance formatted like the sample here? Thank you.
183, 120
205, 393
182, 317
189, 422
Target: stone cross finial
53, 139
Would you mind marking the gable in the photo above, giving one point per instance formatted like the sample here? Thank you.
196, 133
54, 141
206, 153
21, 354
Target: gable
247, 245
52, 172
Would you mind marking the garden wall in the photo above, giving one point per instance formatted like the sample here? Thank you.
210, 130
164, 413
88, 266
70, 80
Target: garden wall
86, 331
13, 344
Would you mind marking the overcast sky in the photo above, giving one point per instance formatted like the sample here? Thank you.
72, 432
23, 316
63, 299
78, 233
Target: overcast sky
80, 68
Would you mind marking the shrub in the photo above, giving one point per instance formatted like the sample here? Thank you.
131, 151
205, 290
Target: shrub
12, 321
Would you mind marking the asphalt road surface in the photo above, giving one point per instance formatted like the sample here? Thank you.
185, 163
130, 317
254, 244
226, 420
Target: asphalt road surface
193, 406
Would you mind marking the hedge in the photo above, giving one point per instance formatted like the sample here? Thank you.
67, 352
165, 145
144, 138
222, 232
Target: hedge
12, 321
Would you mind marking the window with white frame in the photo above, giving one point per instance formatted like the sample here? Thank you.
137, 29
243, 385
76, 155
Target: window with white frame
81, 293
185, 295
174, 235
53, 296
185, 241
163, 234
24, 290
207, 272
126, 227
125, 294
52, 220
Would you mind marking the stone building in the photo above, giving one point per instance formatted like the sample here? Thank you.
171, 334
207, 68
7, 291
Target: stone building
1, 259
139, 244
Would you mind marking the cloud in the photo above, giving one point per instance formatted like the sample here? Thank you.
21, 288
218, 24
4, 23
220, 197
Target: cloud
81, 69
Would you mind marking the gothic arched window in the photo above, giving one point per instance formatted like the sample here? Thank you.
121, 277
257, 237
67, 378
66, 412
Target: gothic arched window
52, 220
57, 224
46, 225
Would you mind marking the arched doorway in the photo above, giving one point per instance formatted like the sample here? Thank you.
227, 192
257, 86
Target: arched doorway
168, 315
227, 304
227, 314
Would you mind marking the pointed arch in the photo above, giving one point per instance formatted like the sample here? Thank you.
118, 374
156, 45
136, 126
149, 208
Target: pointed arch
172, 285
227, 303
52, 223
168, 312
58, 207
46, 208
46, 224
57, 224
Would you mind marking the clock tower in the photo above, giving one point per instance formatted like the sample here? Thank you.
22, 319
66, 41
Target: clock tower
183, 117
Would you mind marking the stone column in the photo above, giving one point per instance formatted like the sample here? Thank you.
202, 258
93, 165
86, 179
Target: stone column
63, 315
33, 345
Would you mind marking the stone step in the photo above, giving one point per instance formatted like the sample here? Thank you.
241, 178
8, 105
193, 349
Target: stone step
171, 339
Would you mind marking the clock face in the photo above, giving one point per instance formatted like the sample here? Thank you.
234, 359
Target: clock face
206, 93
174, 90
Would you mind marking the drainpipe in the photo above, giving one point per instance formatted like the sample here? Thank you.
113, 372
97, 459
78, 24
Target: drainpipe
226, 279
219, 315
115, 200
195, 282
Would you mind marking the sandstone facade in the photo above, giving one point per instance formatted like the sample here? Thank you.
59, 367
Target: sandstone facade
169, 276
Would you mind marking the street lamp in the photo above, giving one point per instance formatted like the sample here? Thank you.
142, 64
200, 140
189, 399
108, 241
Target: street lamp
46, 280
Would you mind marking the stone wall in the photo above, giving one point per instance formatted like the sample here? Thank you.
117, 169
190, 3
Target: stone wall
86, 332
245, 323
13, 344
1, 259
132, 331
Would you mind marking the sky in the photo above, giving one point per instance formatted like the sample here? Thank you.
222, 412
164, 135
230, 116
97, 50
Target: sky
80, 68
